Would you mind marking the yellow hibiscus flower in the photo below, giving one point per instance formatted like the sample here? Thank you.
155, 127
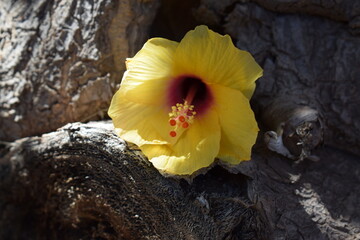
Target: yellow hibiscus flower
184, 104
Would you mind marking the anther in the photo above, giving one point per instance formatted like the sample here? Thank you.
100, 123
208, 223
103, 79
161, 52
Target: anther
182, 115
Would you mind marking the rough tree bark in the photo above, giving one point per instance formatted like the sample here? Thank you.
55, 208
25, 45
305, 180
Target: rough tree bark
60, 61
305, 57
83, 182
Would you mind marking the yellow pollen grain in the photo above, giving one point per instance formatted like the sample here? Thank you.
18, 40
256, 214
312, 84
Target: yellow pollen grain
183, 115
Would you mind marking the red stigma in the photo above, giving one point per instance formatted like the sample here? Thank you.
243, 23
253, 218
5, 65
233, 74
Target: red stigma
185, 125
172, 122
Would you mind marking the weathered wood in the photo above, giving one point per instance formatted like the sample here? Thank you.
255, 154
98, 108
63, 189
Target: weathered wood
84, 181
60, 61
309, 51
309, 200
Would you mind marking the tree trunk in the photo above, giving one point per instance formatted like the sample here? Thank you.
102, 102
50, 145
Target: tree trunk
83, 181
309, 52
60, 63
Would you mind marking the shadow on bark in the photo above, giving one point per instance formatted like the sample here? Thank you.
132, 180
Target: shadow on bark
84, 182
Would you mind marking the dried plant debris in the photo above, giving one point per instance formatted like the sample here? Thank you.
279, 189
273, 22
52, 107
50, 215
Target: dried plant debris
295, 130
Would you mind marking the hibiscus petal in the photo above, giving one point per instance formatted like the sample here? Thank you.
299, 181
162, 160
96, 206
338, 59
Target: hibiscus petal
238, 125
215, 59
149, 72
196, 149
139, 123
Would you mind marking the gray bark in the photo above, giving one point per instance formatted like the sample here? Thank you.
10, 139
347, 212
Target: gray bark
83, 181
309, 51
60, 61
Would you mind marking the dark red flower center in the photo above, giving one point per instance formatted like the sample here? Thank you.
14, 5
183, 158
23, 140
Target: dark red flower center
187, 96
192, 89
